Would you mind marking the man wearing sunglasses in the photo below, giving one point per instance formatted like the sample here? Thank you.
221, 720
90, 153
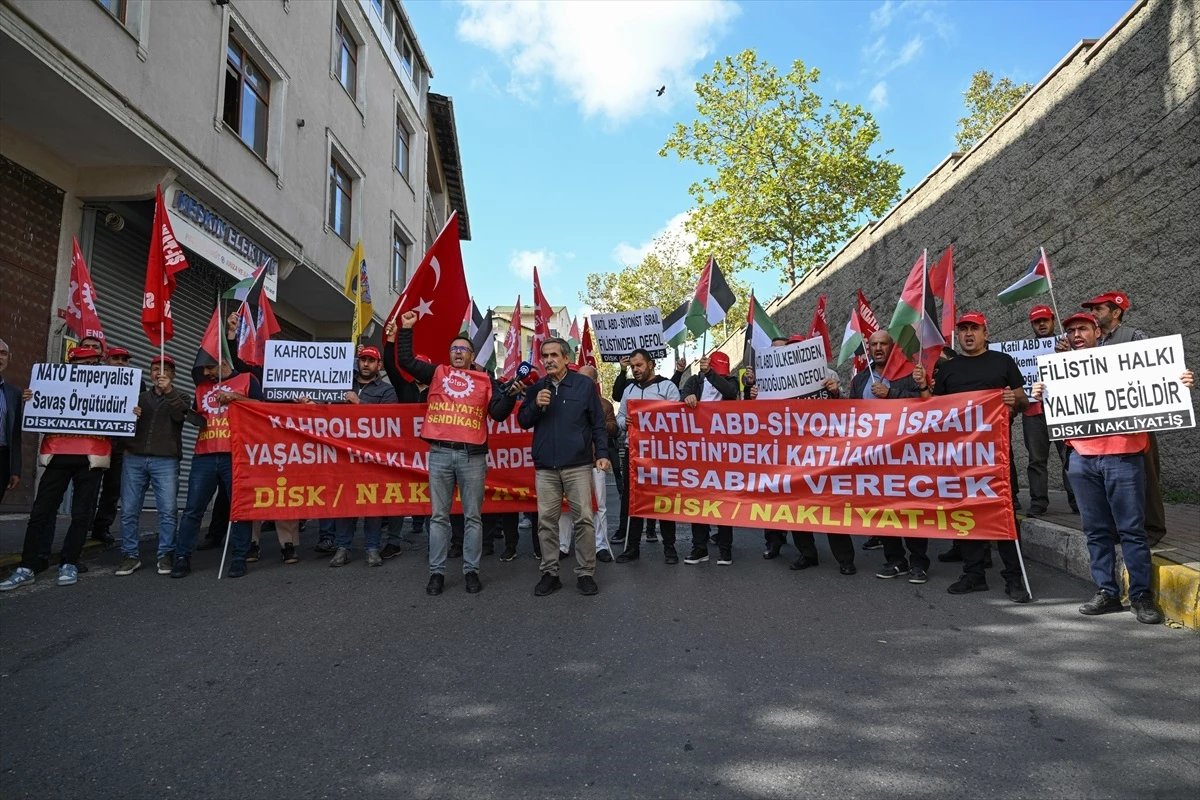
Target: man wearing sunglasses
460, 400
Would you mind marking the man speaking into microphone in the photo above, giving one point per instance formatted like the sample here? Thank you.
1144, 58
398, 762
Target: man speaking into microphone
568, 437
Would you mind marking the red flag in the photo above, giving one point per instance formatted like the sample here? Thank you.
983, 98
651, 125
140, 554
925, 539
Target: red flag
166, 258
267, 327
512, 344
941, 281
438, 293
247, 337
864, 319
82, 317
820, 326
541, 322
212, 344
587, 348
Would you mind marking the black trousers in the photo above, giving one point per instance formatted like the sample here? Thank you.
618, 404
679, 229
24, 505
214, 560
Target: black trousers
1037, 444
918, 551
220, 515
63, 471
620, 466
1156, 519
510, 526
724, 537
974, 552
840, 544
637, 525
776, 539
5, 472
110, 494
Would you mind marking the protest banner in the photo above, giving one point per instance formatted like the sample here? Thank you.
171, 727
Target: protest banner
322, 371
936, 468
309, 461
618, 335
79, 398
791, 372
1120, 388
1025, 352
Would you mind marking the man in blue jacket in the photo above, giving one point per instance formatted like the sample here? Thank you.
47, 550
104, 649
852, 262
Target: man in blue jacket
568, 437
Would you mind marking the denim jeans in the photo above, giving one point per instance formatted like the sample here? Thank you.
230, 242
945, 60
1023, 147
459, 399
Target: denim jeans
138, 472
372, 531
209, 471
1111, 491
449, 467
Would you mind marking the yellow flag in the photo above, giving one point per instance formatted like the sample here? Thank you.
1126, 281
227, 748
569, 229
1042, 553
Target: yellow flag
358, 289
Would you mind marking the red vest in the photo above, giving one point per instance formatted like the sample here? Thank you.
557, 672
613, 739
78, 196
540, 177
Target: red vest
216, 436
458, 404
1117, 444
72, 444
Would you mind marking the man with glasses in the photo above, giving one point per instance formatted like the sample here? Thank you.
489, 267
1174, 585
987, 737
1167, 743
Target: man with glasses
460, 400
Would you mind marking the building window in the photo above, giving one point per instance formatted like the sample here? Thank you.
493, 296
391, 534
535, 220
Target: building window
341, 193
403, 145
247, 97
347, 57
393, 22
115, 7
400, 247
378, 6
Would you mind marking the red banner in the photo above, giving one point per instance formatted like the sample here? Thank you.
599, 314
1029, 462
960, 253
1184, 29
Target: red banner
293, 461
936, 468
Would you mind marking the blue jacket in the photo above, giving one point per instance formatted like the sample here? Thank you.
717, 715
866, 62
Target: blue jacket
570, 431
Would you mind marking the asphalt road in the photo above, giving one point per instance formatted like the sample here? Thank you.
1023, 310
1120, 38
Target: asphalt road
677, 682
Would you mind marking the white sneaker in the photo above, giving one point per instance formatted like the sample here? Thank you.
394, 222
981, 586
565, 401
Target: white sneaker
20, 577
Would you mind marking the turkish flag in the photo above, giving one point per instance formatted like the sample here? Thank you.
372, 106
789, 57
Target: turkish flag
541, 323
166, 258
438, 293
82, 317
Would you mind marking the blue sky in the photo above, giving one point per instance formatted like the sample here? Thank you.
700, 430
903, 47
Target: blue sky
559, 125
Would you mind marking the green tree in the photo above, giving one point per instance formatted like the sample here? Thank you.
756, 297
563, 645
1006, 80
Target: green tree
987, 101
791, 173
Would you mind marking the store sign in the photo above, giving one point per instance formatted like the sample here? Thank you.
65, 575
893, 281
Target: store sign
205, 232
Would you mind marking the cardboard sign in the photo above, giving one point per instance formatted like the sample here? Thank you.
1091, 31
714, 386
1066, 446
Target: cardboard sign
78, 398
618, 335
323, 371
1025, 352
787, 373
1121, 388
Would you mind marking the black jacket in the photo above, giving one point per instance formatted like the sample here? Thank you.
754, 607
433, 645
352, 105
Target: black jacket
725, 385
899, 388
569, 432
407, 390
12, 425
159, 430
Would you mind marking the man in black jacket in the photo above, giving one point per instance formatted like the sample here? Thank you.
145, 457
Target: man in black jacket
710, 383
569, 436
11, 409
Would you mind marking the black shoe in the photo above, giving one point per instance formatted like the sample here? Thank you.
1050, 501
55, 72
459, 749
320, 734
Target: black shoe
604, 555
966, 585
509, 554
289, 554
1102, 603
917, 575
874, 543
587, 585
474, 585
254, 553
182, 568
437, 582
651, 536
770, 553
617, 538
847, 569
629, 555
80, 567
390, 551
803, 562
209, 543
1035, 511
953, 554
1143, 608
1017, 592
237, 569
547, 585
455, 551
698, 555
669, 555
724, 556
103, 536
326, 546
892, 570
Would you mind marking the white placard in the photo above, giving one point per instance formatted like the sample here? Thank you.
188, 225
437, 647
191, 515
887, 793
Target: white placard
79, 398
322, 371
1025, 352
1121, 388
618, 335
797, 370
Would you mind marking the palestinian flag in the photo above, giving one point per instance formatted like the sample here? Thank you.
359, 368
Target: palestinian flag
482, 338
675, 331
913, 327
712, 300
859, 327
760, 330
1035, 281
573, 337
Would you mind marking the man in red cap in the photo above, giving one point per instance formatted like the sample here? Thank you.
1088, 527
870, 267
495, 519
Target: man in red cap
976, 368
74, 460
1037, 439
711, 383
110, 486
1109, 476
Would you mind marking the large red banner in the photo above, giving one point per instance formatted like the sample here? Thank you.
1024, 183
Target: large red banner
936, 468
310, 461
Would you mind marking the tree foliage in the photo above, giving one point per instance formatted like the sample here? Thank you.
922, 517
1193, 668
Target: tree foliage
987, 102
791, 172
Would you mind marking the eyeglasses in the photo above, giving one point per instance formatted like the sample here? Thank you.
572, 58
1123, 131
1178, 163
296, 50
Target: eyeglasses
459, 348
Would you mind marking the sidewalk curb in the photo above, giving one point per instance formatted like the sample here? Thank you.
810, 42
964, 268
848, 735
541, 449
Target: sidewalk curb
1176, 586
90, 547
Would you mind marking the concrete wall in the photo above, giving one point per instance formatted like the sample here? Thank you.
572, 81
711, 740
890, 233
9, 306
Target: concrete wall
1100, 165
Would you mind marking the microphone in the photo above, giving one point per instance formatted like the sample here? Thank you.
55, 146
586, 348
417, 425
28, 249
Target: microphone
526, 376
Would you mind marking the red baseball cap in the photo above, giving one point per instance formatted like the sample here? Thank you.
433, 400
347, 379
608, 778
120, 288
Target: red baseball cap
795, 337
117, 352
1080, 317
1040, 312
81, 352
719, 362
1118, 299
971, 318
573, 367
370, 352
163, 360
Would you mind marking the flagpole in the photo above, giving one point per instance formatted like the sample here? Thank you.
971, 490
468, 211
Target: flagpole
1053, 302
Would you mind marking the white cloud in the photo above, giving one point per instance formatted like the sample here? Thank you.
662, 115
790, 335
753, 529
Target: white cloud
522, 262
607, 57
482, 81
912, 48
879, 96
625, 253
882, 16
881, 59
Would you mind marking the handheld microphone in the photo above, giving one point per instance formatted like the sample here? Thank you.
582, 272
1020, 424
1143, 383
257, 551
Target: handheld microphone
526, 376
